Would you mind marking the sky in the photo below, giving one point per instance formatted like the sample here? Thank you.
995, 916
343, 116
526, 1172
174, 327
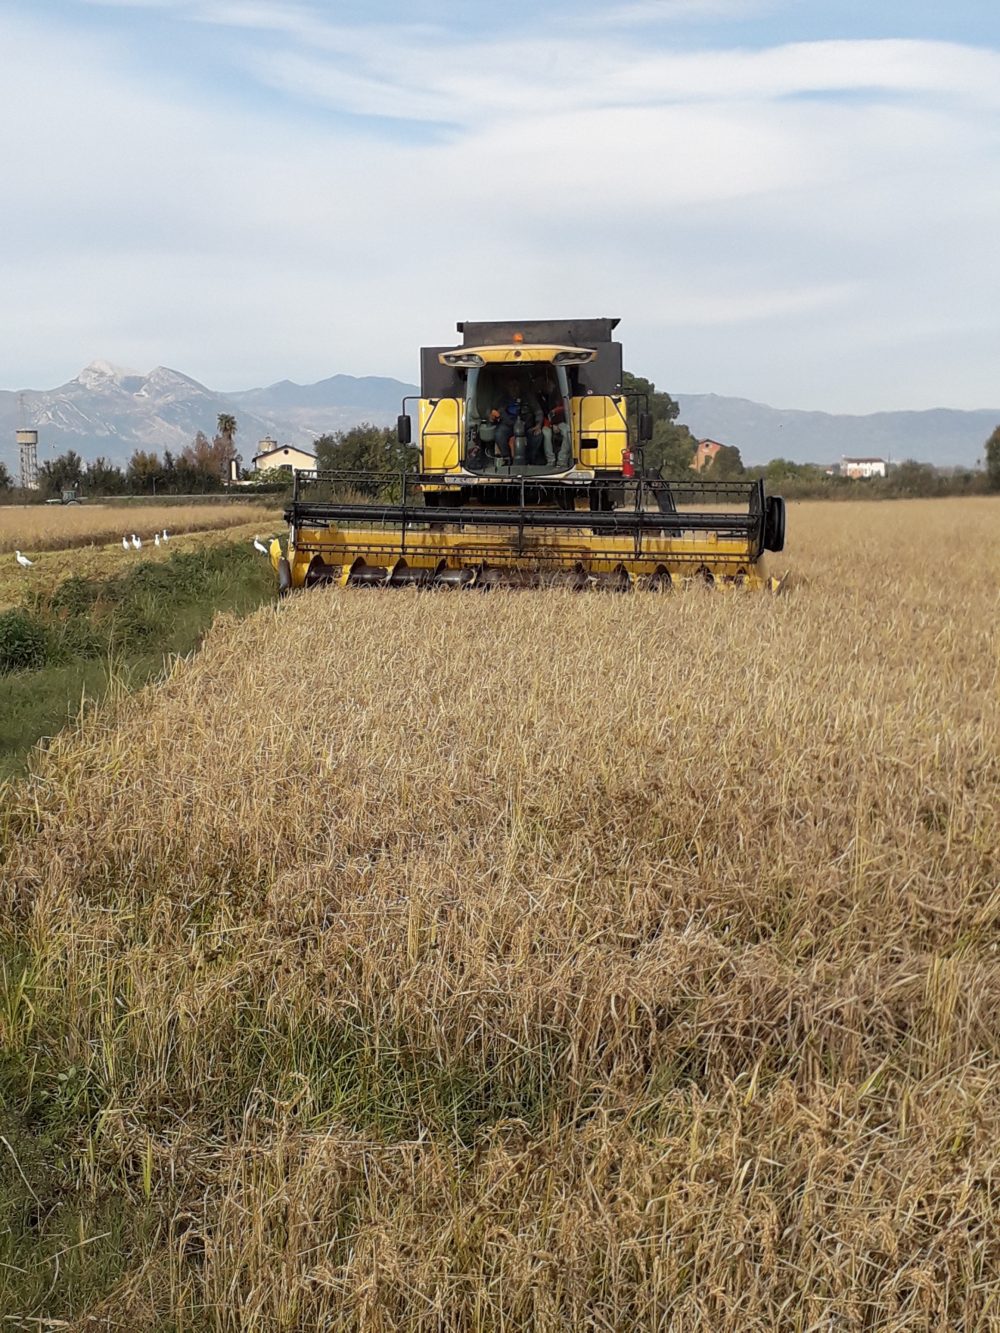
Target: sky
794, 201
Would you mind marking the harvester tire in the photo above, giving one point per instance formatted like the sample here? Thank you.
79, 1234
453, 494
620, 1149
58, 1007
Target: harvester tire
774, 523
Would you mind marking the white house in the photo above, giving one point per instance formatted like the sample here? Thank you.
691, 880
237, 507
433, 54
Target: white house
271, 454
863, 467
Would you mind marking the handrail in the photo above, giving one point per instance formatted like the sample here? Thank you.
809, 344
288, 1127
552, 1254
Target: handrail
525, 516
726, 492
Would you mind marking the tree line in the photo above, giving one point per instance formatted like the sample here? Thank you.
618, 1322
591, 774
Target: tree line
672, 450
204, 465
907, 480
200, 468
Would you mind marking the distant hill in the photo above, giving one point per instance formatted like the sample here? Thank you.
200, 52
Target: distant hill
303, 411
111, 411
943, 436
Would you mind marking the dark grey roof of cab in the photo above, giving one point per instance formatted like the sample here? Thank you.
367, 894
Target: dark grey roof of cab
562, 332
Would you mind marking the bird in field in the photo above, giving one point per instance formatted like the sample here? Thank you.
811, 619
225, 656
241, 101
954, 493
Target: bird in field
165, 536
124, 543
258, 545
23, 560
136, 542
156, 538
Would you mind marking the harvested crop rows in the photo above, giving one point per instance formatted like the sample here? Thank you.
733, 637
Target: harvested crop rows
529, 961
52, 528
193, 528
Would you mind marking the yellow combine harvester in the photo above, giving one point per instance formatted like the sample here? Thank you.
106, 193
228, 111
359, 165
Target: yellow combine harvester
528, 469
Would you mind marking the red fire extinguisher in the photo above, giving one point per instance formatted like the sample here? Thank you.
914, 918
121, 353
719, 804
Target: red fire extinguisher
628, 463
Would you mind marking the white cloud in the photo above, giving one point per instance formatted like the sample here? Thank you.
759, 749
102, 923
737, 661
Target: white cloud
751, 241
338, 86
458, 75
670, 11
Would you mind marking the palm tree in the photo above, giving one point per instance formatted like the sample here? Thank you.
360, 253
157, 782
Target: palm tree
226, 430
227, 427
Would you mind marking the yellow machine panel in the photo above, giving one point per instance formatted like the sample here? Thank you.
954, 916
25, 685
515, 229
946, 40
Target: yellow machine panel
602, 429
442, 425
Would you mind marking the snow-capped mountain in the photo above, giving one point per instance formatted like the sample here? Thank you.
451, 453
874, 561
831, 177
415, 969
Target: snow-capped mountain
112, 411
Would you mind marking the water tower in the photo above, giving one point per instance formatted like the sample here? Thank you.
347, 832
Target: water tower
27, 447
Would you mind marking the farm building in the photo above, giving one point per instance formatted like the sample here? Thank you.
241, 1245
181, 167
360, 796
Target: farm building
705, 453
863, 468
271, 454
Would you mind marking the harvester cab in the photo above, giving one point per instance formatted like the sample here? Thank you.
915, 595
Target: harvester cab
534, 399
528, 467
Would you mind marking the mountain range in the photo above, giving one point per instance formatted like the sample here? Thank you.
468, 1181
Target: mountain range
109, 411
943, 436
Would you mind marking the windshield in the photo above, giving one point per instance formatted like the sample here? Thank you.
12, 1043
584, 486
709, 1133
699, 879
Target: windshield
518, 419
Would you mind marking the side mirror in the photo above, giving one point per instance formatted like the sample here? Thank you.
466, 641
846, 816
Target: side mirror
403, 434
645, 427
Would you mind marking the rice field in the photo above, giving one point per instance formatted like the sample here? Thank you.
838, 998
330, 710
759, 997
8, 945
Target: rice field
446, 961
210, 525
33, 528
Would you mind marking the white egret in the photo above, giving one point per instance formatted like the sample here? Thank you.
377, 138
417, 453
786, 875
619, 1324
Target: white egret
165, 536
23, 560
156, 538
136, 542
258, 545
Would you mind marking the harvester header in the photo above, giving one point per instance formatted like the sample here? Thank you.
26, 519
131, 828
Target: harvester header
528, 468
